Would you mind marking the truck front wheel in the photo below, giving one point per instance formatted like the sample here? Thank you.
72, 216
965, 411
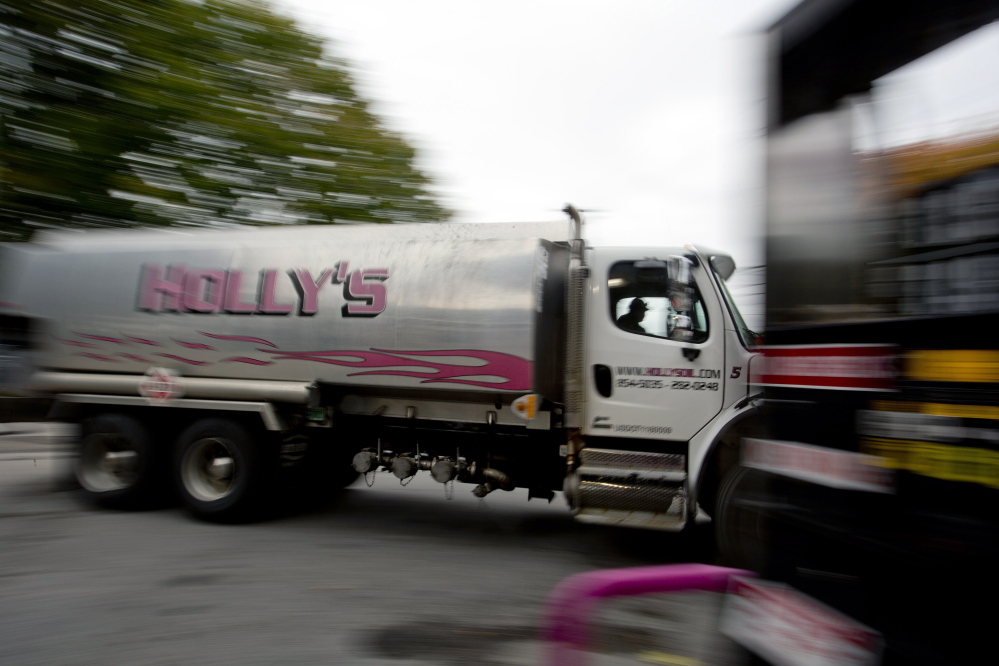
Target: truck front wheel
117, 464
741, 531
222, 470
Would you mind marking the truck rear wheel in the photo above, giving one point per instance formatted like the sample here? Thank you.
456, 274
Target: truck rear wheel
118, 464
222, 470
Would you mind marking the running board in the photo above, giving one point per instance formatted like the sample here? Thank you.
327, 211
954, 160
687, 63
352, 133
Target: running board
629, 488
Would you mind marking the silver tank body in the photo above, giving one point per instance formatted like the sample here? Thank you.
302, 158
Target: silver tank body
441, 307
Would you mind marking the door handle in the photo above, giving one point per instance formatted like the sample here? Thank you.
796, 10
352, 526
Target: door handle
602, 380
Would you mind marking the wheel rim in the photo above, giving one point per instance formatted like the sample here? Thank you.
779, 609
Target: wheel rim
208, 469
107, 462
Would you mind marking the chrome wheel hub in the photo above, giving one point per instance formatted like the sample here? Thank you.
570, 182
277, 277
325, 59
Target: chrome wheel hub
208, 469
107, 462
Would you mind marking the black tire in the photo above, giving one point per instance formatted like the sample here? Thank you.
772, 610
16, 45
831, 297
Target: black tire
741, 531
118, 464
223, 470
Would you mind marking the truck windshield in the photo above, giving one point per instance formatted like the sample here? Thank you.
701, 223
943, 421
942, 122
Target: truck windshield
747, 336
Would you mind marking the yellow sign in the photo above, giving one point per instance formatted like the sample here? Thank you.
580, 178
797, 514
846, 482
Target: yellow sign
938, 409
939, 461
952, 365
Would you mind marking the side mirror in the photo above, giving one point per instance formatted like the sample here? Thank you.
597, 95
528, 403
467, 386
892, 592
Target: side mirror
681, 297
681, 283
723, 264
680, 270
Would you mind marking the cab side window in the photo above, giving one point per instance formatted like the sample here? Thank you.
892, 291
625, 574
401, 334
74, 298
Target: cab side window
644, 308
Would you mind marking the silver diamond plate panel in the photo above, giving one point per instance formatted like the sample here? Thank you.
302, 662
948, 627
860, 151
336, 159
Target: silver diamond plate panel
633, 460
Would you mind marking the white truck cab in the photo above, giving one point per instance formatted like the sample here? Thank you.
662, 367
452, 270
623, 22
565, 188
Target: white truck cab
666, 373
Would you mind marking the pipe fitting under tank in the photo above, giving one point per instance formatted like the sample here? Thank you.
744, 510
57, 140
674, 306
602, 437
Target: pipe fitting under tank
444, 470
496, 479
404, 467
483, 489
365, 461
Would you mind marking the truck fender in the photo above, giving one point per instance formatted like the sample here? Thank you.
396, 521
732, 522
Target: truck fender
707, 443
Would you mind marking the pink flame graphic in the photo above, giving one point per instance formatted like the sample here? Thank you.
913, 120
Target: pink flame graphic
143, 341
244, 359
183, 360
239, 337
133, 357
102, 338
515, 371
193, 345
74, 343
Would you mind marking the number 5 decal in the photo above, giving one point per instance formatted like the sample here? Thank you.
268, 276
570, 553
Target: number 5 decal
736, 371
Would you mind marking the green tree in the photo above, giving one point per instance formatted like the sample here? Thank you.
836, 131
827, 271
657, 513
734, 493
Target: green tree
144, 112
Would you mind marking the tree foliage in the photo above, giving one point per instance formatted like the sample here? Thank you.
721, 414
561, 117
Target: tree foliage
128, 112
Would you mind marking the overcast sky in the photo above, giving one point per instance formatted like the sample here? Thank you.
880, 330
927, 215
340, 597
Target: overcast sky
646, 112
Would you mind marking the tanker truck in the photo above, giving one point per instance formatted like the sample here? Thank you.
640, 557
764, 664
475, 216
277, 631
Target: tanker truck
215, 363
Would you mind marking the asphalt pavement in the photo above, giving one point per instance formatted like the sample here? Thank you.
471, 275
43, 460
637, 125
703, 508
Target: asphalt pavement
385, 575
